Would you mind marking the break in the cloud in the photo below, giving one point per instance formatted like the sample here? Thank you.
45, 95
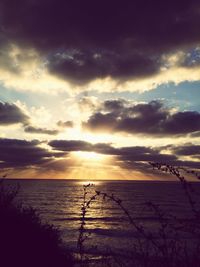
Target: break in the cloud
151, 118
116, 45
133, 158
136, 153
24, 69
66, 124
130, 158
16, 155
12, 114
125, 153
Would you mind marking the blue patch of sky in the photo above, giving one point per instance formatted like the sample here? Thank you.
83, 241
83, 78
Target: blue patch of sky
185, 96
9, 95
32, 98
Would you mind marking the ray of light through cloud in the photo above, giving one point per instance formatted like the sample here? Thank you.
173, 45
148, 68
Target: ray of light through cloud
100, 90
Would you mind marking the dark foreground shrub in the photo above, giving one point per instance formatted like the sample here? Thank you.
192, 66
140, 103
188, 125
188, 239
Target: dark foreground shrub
175, 241
25, 241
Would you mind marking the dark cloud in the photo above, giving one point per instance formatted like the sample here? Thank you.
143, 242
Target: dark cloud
84, 40
187, 163
67, 124
37, 130
186, 150
116, 105
78, 145
101, 122
143, 154
86, 66
70, 145
138, 158
195, 134
149, 118
20, 153
11, 114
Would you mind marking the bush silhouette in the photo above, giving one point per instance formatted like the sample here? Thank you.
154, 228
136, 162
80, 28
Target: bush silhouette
24, 240
174, 243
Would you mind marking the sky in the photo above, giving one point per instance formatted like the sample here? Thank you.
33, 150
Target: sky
98, 89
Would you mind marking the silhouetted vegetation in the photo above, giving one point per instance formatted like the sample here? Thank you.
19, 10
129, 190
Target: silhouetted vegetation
176, 242
24, 240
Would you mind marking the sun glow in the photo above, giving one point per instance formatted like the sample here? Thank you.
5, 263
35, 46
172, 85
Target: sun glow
91, 156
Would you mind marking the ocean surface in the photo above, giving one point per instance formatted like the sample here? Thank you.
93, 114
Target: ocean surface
59, 202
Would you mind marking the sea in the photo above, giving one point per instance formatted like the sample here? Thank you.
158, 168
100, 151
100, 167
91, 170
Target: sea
108, 229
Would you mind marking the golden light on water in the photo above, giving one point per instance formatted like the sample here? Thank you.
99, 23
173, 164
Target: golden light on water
91, 182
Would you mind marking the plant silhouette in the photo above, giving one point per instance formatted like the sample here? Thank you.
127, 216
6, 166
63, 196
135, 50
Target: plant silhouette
24, 240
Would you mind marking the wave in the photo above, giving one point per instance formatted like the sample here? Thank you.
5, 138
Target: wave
114, 219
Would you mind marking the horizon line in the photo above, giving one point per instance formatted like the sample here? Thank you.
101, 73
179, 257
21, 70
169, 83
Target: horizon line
93, 181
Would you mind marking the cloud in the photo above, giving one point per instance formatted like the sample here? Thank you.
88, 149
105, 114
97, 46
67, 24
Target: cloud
146, 118
129, 158
143, 154
87, 41
25, 69
136, 153
188, 164
20, 153
79, 145
88, 103
186, 150
70, 145
67, 124
37, 130
195, 134
12, 114
84, 66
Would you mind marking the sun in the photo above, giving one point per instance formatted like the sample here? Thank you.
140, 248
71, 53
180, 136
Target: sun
90, 166
89, 156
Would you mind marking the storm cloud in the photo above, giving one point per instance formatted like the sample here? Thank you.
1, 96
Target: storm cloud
147, 118
85, 40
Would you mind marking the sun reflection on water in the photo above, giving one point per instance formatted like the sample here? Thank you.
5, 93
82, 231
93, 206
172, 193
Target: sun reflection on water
91, 182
